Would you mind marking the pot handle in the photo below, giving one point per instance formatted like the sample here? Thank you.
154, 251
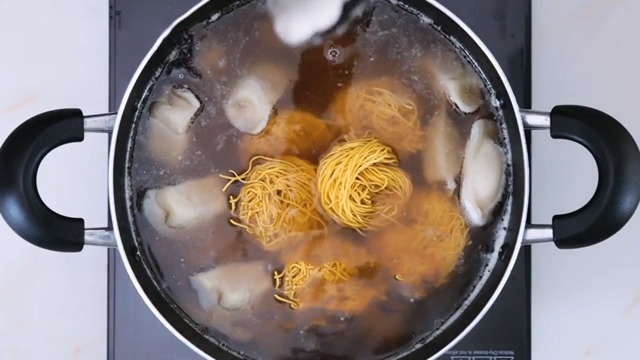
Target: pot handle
20, 203
618, 160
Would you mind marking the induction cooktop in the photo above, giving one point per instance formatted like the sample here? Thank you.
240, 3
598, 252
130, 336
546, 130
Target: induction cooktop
503, 334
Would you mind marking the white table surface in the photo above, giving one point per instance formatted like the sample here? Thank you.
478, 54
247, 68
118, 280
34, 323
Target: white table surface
586, 303
54, 55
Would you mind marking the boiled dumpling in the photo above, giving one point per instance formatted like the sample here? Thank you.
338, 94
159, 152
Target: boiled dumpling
251, 101
273, 78
171, 115
483, 173
183, 206
165, 145
232, 286
465, 92
248, 107
442, 153
176, 109
228, 294
238, 324
457, 79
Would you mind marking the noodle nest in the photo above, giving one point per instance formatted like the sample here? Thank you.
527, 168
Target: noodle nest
331, 273
277, 201
384, 109
360, 184
428, 245
295, 133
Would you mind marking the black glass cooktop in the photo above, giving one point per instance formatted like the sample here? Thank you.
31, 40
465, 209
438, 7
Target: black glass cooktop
503, 334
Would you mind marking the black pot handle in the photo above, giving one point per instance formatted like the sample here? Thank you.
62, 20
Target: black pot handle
618, 160
20, 203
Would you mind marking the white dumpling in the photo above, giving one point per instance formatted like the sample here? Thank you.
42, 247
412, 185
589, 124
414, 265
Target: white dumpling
483, 173
186, 205
237, 324
458, 80
251, 101
165, 145
176, 109
273, 78
171, 115
442, 154
464, 92
248, 107
232, 286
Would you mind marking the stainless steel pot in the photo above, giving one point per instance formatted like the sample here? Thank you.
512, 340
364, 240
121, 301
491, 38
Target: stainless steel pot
615, 199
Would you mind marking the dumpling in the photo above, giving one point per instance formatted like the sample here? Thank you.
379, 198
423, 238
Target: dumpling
465, 91
248, 108
251, 101
457, 79
442, 153
184, 206
232, 286
273, 78
171, 116
483, 173
165, 145
176, 109
229, 293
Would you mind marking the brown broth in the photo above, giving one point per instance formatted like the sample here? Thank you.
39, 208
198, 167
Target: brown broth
374, 47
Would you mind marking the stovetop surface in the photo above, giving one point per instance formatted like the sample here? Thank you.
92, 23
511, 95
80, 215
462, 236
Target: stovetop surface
503, 334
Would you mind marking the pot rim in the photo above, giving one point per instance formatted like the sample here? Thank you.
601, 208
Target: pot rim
525, 168
112, 209
526, 185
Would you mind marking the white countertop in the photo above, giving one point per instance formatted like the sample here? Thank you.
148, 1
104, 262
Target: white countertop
586, 303
55, 54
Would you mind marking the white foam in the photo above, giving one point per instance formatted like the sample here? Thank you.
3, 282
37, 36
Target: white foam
214, 17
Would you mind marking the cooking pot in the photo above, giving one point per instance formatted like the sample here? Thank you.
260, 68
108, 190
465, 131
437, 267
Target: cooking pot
614, 202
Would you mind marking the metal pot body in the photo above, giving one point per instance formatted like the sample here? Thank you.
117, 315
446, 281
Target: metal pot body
614, 202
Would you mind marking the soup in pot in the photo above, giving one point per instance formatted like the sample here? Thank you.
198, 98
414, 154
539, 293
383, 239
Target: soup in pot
332, 201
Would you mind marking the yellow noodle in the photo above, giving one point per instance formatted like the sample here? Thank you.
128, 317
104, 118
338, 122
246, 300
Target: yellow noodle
360, 184
292, 304
277, 201
294, 276
335, 271
384, 109
325, 273
295, 133
278, 279
428, 243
